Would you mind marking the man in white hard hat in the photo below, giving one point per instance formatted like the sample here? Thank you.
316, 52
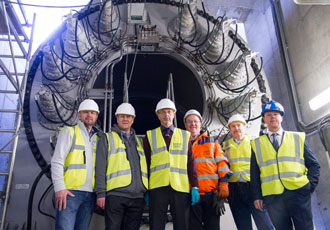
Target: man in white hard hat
284, 172
172, 168
73, 170
212, 170
238, 152
121, 178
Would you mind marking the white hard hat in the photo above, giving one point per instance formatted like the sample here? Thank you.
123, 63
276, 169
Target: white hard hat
192, 112
236, 117
125, 108
88, 104
165, 103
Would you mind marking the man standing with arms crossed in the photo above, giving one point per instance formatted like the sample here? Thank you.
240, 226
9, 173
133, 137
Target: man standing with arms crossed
238, 153
284, 173
73, 170
172, 168
212, 170
121, 173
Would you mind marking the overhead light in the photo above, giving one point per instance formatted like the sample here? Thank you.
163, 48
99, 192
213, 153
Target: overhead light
312, 2
320, 100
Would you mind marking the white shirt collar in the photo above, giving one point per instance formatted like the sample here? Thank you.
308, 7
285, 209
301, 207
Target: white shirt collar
279, 132
237, 141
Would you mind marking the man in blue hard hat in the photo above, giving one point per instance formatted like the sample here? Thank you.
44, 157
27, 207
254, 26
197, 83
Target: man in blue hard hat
284, 173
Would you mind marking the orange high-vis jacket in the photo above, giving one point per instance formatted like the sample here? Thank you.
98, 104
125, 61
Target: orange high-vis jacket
212, 165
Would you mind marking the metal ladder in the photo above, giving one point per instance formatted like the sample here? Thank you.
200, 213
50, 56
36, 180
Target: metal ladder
14, 64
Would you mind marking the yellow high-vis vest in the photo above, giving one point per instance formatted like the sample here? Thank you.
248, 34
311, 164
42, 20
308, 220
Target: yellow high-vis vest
119, 172
283, 169
75, 171
239, 157
169, 167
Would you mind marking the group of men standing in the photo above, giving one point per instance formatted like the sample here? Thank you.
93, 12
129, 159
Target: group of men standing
184, 169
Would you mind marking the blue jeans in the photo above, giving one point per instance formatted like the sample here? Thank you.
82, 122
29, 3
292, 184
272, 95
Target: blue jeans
78, 212
241, 205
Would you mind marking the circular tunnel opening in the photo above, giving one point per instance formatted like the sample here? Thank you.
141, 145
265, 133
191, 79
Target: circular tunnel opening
148, 84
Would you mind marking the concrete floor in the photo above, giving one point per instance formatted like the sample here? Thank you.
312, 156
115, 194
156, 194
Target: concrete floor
226, 222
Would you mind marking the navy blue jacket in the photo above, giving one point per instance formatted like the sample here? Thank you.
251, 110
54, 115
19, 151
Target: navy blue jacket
311, 164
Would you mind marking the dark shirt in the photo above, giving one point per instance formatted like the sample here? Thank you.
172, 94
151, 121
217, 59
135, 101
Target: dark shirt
311, 164
136, 188
191, 166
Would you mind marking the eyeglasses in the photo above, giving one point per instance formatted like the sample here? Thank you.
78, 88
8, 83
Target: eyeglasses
191, 122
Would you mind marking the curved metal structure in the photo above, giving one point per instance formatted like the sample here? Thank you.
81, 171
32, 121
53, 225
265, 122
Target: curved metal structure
90, 56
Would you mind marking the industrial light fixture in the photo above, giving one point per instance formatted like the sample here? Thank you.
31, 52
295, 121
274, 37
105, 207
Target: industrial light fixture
320, 100
312, 2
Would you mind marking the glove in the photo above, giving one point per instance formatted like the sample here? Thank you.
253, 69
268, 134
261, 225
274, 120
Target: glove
194, 196
219, 204
146, 198
223, 189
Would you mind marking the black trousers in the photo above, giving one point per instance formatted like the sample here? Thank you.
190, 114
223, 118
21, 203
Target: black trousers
292, 207
202, 214
241, 205
160, 199
122, 213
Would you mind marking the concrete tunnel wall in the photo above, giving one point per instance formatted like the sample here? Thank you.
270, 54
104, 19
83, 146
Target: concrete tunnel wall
307, 35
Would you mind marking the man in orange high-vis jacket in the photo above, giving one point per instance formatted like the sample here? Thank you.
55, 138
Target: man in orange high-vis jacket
213, 174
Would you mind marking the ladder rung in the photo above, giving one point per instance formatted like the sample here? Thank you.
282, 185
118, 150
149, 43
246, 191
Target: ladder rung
7, 130
9, 91
9, 56
9, 111
12, 40
4, 173
6, 151
19, 74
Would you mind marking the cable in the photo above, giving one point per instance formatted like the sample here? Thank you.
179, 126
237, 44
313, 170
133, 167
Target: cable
43, 6
180, 20
33, 189
133, 66
65, 75
49, 188
50, 86
60, 116
216, 62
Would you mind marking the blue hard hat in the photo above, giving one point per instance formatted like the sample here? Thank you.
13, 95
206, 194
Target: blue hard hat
272, 106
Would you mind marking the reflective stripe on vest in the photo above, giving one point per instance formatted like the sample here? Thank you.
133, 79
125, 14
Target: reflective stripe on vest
210, 162
119, 172
283, 168
239, 157
169, 167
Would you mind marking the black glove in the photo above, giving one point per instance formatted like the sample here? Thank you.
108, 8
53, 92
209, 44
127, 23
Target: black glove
219, 204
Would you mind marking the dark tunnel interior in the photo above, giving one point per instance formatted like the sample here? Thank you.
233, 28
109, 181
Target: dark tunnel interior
149, 84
